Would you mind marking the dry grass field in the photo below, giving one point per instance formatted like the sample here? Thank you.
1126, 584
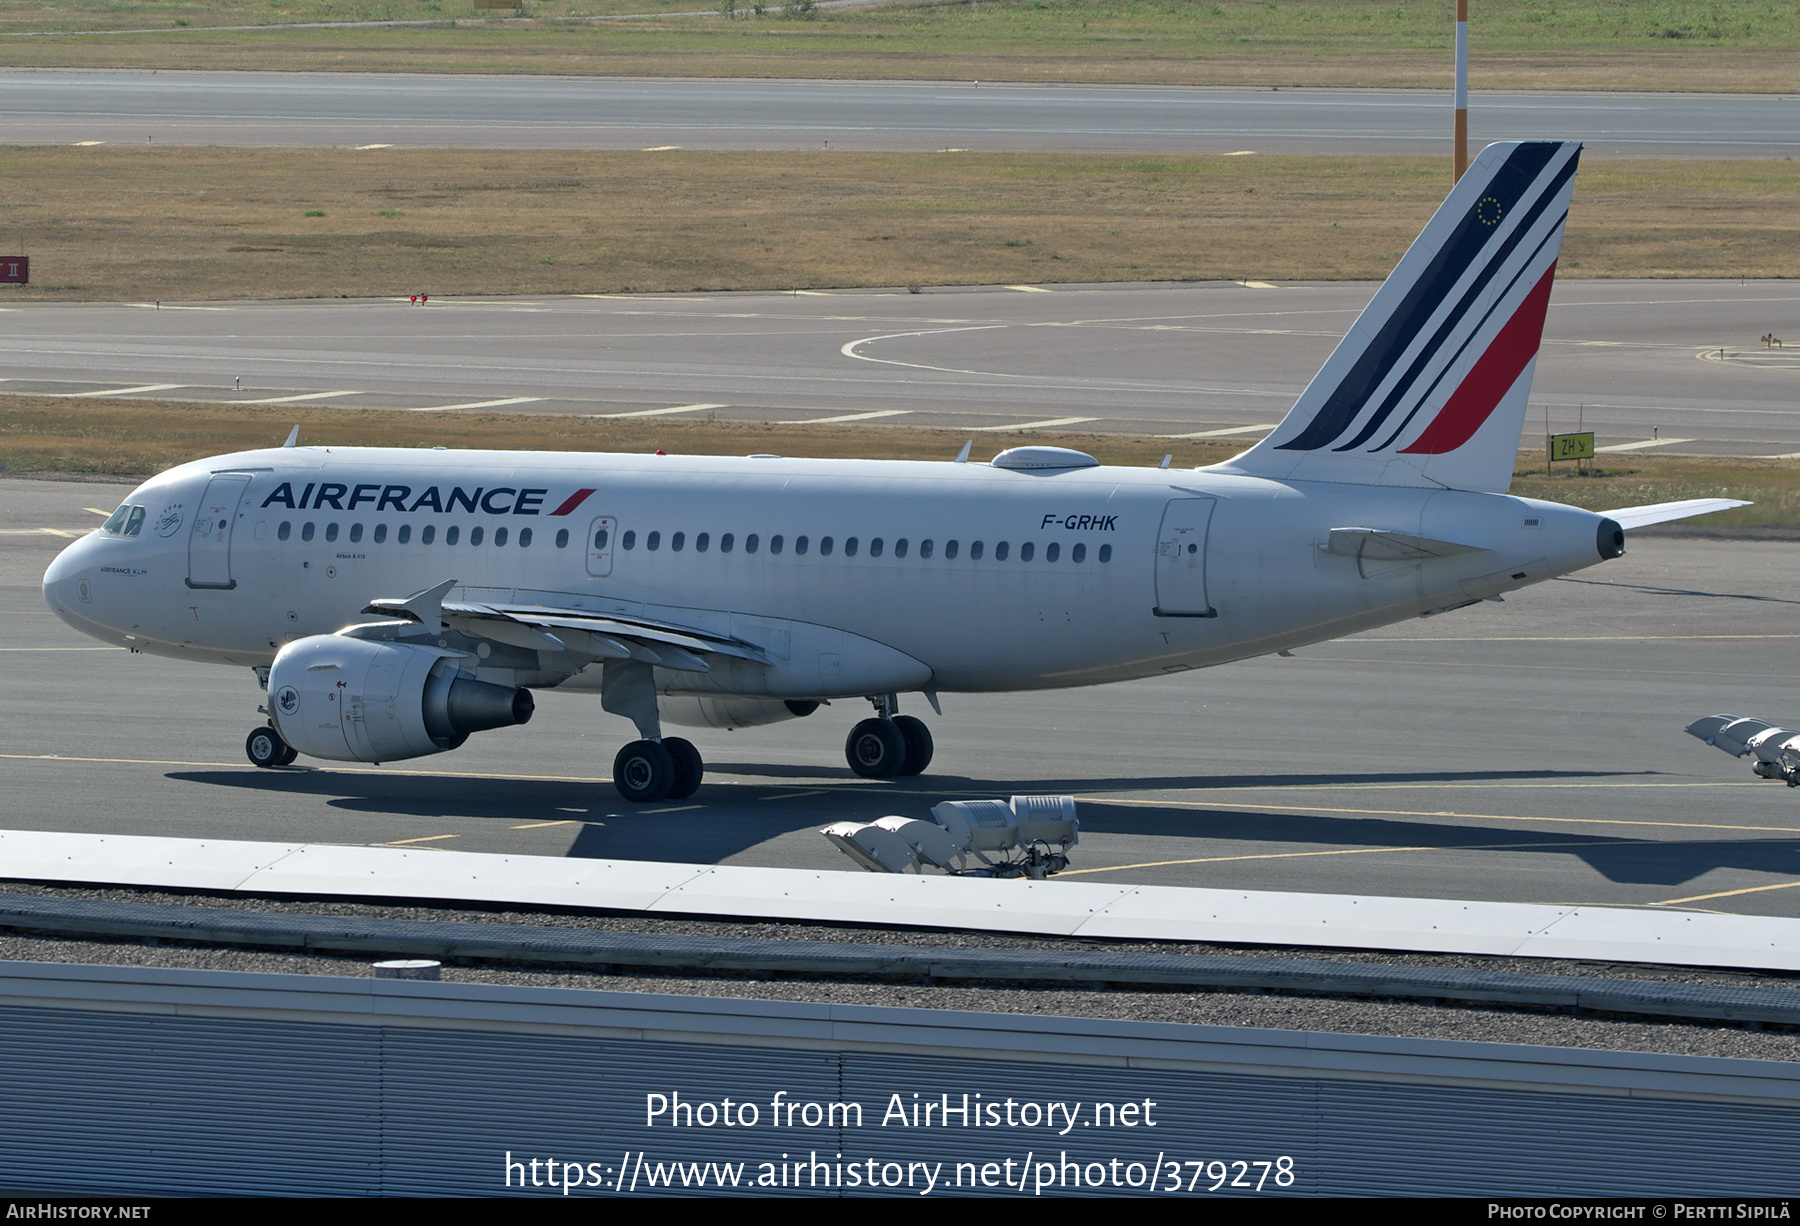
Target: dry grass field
46, 434
172, 223
1715, 46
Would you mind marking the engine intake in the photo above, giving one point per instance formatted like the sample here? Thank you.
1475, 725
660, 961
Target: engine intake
353, 700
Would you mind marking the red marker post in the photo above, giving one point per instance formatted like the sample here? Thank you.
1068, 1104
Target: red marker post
1461, 134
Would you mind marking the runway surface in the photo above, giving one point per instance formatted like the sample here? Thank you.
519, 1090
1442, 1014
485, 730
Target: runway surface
1674, 365
520, 112
1529, 751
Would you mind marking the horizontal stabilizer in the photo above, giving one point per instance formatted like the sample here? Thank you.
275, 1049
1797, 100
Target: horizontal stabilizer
1664, 512
1379, 545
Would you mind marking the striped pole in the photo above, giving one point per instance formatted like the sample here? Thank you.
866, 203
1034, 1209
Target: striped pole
1462, 87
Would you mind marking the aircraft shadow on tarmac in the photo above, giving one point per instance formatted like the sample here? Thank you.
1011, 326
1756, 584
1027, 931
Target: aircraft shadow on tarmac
721, 822
966, 788
1622, 860
1653, 590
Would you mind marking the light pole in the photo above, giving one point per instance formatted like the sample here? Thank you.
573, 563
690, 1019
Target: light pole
1462, 87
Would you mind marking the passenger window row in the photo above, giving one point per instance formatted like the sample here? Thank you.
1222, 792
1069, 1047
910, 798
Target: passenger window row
851, 546
702, 542
427, 535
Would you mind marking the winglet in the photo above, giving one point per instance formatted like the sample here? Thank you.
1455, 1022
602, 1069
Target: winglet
426, 607
293, 437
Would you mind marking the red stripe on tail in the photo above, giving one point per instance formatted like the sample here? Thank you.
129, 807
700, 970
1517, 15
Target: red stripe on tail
1499, 368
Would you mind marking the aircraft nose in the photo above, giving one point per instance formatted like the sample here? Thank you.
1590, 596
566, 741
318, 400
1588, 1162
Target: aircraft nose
69, 583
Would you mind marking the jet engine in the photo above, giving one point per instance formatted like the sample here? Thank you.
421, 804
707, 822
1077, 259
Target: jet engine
353, 700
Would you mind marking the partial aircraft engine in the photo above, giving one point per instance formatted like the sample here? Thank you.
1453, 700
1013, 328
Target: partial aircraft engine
708, 712
359, 701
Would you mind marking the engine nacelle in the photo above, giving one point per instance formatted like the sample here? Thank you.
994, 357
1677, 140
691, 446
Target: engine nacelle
353, 700
707, 712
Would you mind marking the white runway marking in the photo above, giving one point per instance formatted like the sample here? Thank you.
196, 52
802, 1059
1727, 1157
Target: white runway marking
292, 399
127, 391
360, 147
1257, 285
848, 348
1029, 289
479, 404
1229, 430
1645, 445
830, 421
680, 408
1034, 425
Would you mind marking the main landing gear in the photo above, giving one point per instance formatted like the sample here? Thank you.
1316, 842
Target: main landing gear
888, 745
647, 771
265, 747
655, 767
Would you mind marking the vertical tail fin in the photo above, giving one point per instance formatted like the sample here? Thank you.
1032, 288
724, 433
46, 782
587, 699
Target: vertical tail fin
1429, 387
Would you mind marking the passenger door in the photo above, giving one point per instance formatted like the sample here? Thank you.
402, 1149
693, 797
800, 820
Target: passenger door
209, 541
1181, 559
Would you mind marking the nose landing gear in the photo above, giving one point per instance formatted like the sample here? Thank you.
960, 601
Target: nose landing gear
264, 747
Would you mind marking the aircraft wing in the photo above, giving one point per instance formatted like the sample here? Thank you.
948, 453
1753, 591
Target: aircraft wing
677, 646
1663, 512
608, 636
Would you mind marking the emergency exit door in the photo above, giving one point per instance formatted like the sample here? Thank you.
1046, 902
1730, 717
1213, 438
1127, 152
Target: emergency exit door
600, 546
1181, 559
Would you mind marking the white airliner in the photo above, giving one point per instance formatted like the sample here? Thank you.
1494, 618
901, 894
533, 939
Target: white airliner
738, 591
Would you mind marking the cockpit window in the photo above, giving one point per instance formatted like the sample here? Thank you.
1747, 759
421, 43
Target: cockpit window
126, 521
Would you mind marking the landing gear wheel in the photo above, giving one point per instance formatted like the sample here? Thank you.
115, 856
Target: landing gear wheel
644, 772
918, 744
264, 747
876, 749
689, 767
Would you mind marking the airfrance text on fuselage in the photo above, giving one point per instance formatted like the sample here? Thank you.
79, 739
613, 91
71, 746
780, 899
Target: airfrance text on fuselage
394, 498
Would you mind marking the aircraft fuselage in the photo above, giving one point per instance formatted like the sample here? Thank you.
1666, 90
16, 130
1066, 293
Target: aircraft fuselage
851, 576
